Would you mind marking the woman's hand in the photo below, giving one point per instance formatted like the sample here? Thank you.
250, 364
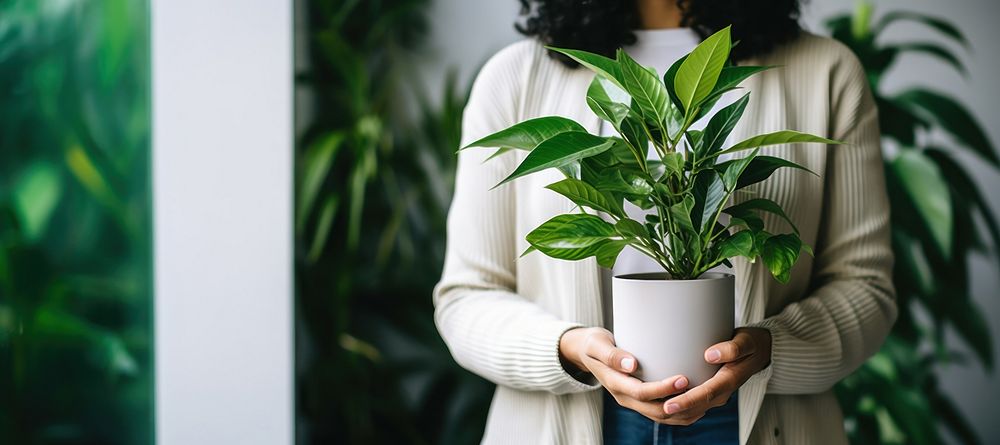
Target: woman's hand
746, 354
593, 350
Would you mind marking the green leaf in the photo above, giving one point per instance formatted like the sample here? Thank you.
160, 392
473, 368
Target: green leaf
603, 106
709, 193
608, 251
681, 214
963, 185
584, 194
615, 180
739, 244
645, 87
528, 134
322, 233
635, 133
558, 151
735, 168
602, 66
761, 168
668, 82
630, 228
742, 209
36, 194
575, 237
779, 253
942, 26
721, 125
923, 182
777, 138
674, 164
732, 76
699, 73
570, 231
952, 117
317, 162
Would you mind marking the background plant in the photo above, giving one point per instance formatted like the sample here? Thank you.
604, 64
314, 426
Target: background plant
373, 187
75, 296
687, 186
938, 218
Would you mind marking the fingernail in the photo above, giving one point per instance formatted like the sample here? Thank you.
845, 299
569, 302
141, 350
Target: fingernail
681, 383
628, 363
713, 355
673, 408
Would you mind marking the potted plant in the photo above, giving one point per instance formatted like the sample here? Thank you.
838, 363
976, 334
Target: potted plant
685, 184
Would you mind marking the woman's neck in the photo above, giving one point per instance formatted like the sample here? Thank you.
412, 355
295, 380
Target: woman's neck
658, 14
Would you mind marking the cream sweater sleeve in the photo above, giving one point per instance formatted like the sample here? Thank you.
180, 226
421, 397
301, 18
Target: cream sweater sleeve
489, 328
824, 337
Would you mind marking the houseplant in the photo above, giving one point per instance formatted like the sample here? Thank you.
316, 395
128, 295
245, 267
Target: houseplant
687, 186
941, 222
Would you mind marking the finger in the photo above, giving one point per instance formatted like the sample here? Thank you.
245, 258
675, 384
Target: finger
602, 348
624, 386
740, 346
702, 397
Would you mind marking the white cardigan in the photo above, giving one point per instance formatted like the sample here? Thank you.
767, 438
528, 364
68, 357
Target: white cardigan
502, 316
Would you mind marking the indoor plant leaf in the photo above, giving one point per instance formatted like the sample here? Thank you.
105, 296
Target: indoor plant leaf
929, 192
602, 66
644, 87
560, 150
762, 204
761, 167
721, 125
776, 138
699, 72
586, 195
779, 253
527, 135
952, 117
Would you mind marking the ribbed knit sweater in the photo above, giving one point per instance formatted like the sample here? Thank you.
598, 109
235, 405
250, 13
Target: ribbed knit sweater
502, 316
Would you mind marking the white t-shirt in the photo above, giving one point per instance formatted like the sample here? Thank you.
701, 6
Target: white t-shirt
657, 48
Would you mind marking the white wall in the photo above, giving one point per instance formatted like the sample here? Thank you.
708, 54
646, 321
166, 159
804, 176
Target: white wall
222, 166
465, 33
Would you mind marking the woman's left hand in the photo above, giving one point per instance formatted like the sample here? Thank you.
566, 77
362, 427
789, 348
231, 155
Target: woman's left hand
746, 354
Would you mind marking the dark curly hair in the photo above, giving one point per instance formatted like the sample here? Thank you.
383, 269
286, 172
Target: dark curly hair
602, 26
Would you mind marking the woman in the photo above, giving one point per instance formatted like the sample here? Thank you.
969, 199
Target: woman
535, 325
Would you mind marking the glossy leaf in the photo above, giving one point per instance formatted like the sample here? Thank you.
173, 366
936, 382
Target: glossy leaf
698, 74
779, 253
739, 244
709, 193
735, 168
923, 183
558, 151
603, 106
586, 195
602, 66
570, 231
742, 209
645, 87
721, 125
528, 134
761, 168
681, 214
777, 138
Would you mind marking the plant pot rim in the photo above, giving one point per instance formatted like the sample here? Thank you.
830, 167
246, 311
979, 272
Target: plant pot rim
664, 276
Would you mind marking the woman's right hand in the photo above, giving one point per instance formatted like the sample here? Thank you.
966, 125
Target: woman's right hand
593, 350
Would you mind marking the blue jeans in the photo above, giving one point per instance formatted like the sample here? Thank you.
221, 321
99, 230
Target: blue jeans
622, 426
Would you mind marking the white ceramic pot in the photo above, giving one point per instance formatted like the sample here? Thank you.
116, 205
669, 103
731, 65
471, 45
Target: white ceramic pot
668, 324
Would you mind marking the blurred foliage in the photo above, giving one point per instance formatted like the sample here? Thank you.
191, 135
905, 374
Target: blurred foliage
375, 161
939, 217
75, 269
